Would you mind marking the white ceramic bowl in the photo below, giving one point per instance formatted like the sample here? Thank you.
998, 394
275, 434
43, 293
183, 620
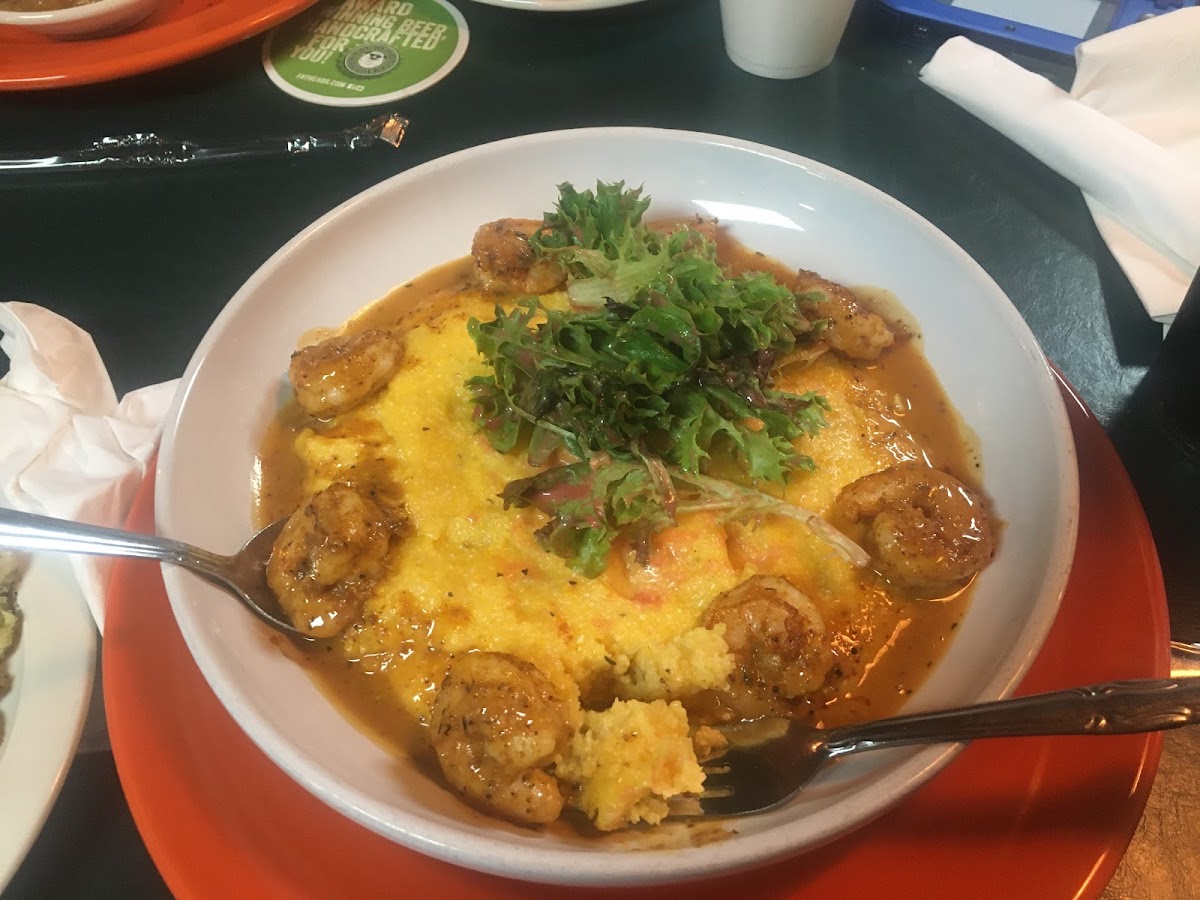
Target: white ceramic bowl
792, 208
94, 19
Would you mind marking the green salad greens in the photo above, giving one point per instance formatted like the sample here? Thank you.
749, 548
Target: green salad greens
658, 376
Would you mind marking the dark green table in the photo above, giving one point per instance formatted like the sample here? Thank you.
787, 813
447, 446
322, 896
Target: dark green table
145, 260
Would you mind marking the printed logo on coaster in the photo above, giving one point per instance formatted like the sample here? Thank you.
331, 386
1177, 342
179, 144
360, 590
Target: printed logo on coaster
365, 52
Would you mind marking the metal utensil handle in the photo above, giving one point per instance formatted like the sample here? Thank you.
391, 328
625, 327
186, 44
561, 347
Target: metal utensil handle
1118, 707
149, 150
26, 531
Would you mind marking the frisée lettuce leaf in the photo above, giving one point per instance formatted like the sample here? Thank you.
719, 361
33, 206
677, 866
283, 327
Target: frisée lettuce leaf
658, 375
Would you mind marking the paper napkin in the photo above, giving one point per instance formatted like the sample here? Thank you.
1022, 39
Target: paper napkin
1128, 134
67, 447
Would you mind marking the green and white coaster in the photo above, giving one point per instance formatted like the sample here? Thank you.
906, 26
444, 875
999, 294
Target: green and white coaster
365, 52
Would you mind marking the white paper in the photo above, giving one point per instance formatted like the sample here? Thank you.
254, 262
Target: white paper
1128, 135
68, 448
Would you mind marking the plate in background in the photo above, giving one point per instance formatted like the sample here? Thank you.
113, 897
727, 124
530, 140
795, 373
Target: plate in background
558, 6
177, 31
52, 670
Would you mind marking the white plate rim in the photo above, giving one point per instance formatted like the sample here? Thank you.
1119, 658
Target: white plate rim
914, 767
558, 6
53, 668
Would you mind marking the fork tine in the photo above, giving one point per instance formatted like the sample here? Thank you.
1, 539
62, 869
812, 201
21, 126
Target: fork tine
752, 779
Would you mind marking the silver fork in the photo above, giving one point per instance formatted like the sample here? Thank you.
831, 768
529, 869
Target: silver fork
755, 779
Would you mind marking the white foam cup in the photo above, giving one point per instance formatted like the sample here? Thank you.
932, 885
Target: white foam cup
783, 38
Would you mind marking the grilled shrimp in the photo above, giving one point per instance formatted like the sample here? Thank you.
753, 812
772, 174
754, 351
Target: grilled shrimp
776, 635
505, 261
341, 372
852, 331
496, 724
328, 559
924, 528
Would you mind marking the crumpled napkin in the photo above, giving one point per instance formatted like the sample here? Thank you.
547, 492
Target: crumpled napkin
68, 448
1128, 134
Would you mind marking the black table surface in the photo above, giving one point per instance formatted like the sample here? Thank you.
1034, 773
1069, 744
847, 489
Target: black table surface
144, 260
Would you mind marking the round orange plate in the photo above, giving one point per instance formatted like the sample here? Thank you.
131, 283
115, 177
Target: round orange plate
1044, 817
178, 30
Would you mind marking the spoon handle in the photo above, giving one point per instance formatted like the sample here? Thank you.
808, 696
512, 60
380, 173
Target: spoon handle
1117, 707
26, 531
153, 151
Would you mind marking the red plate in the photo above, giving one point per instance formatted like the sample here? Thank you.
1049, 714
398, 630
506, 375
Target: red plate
178, 30
1049, 817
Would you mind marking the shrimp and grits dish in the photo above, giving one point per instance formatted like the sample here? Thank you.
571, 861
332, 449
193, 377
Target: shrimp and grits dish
572, 514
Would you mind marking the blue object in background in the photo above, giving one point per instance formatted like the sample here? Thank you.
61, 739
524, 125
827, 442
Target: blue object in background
1023, 20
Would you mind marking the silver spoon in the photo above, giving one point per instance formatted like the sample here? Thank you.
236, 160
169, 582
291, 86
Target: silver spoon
753, 779
244, 575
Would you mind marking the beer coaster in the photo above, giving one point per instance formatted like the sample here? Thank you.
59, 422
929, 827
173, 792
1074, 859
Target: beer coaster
365, 52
